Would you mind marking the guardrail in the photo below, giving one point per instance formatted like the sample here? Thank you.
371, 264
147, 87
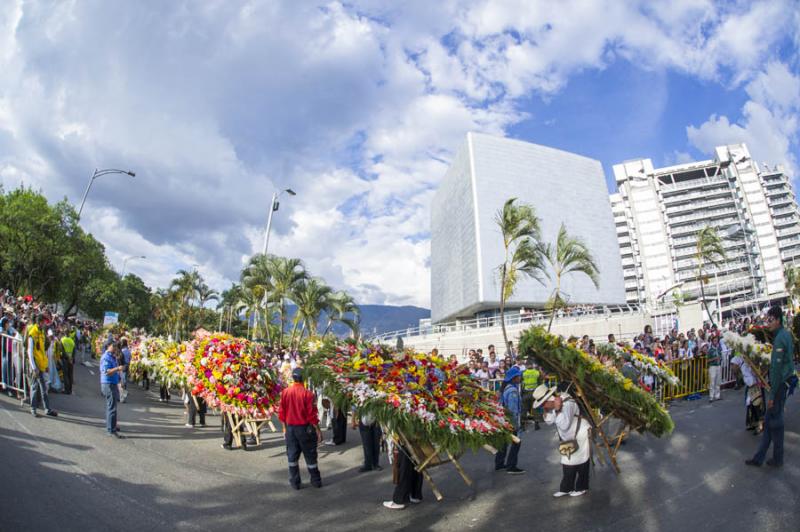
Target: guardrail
538, 317
13, 365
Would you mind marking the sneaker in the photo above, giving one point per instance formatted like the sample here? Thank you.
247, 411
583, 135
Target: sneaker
393, 505
363, 469
752, 462
51, 413
317, 484
189, 426
116, 435
772, 463
226, 447
560, 494
577, 493
202, 425
328, 442
414, 501
499, 467
515, 471
296, 486
34, 413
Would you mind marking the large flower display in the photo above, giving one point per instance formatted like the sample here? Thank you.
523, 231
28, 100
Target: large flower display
646, 365
757, 355
230, 374
603, 387
421, 396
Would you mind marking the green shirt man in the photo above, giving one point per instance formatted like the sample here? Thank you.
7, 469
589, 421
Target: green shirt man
781, 365
69, 346
530, 379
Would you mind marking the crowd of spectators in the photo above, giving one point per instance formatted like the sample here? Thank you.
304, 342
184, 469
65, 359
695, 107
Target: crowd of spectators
38, 349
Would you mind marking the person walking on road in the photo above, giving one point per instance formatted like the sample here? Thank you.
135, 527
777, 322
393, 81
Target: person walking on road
67, 360
300, 420
371, 434
781, 370
109, 386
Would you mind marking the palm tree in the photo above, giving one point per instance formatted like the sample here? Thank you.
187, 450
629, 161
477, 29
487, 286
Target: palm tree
312, 298
205, 294
569, 255
286, 274
257, 277
792, 274
185, 286
523, 255
342, 304
228, 300
709, 249
248, 301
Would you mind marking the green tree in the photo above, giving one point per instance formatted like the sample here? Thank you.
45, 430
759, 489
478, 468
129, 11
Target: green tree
709, 249
569, 255
523, 254
312, 297
286, 275
135, 305
343, 309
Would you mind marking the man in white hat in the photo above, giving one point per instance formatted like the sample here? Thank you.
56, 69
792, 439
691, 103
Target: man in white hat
573, 434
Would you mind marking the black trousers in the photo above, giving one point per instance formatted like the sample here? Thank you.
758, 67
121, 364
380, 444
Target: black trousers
339, 428
227, 432
409, 480
145, 380
200, 410
576, 477
163, 392
507, 455
68, 366
302, 439
371, 442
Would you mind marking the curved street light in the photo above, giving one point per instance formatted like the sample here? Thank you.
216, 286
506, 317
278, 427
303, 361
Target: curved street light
274, 207
98, 173
125, 262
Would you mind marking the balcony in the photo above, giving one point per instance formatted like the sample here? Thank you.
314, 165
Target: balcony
694, 183
785, 221
701, 215
783, 200
693, 228
795, 230
695, 206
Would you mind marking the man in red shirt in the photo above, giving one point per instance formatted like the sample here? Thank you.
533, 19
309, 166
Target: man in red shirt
298, 415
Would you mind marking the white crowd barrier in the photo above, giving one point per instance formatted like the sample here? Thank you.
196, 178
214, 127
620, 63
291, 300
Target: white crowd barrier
13, 365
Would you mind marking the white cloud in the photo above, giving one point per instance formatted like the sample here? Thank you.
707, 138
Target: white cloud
770, 120
356, 106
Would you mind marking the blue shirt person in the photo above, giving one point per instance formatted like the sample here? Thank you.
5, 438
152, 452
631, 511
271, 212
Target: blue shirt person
506, 458
109, 381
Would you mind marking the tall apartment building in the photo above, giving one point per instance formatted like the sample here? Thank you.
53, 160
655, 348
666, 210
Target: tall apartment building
658, 212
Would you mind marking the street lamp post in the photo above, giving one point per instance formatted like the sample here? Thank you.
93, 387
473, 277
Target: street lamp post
125, 262
98, 173
274, 207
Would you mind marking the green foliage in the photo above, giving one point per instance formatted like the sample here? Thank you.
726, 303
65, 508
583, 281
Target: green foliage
604, 388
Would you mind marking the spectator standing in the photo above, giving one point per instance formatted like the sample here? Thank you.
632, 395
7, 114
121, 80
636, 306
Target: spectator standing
109, 385
125, 360
37, 360
714, 373
67, 361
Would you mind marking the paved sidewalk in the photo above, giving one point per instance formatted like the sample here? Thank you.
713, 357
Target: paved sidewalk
66, 474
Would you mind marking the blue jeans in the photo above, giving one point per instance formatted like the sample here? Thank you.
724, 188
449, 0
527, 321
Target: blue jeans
39, 392
111, 393
773, 430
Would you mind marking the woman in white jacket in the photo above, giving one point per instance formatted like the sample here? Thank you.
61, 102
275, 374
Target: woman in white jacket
562, 410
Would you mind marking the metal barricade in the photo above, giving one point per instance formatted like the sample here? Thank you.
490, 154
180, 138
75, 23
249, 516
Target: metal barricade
13, 365
693, 376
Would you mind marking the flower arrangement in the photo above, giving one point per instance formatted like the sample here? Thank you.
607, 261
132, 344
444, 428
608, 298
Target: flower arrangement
755, 353
603, 387
166, 363
646, 365
422, 396
230, 374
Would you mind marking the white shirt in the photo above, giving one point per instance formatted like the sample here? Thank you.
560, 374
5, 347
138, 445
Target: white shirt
566, 423
747, 373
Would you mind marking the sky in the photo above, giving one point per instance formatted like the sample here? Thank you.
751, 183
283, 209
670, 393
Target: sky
358, 107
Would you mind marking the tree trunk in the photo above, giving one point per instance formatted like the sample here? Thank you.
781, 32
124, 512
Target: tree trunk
703, 297
283, 324
556, 297
503, 305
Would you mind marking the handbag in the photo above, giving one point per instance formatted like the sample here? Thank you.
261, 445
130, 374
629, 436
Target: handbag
569, 447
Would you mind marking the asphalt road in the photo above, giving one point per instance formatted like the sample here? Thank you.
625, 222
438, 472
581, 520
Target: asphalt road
66, 474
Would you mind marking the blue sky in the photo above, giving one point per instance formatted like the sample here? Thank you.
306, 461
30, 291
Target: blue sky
359, 106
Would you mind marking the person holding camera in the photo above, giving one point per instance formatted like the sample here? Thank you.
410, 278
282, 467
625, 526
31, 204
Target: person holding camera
573, 431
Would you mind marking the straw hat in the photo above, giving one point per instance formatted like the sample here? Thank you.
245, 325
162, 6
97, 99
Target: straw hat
541, 394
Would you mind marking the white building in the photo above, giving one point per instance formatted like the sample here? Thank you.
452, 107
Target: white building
466, 245
658, 211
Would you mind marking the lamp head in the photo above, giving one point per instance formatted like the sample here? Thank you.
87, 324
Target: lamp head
291, 192
132, 174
